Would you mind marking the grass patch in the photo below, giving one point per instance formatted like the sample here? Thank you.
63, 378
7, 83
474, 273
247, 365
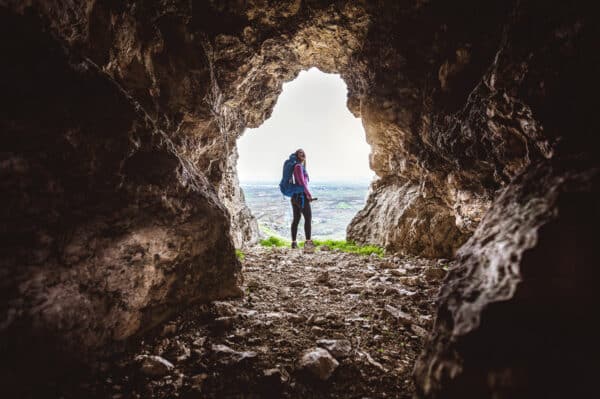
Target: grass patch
273, 241
348, 246
341, 245
240, 255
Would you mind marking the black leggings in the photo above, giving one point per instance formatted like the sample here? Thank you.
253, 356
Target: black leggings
307, 213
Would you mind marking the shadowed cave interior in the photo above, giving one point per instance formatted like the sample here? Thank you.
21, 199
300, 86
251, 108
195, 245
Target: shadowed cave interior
121, 208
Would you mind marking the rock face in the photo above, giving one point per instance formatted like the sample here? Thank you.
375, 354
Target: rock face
407, 221
108, 228
119, 125
516, 318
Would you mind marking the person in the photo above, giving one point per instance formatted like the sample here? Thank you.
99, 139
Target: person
301, 201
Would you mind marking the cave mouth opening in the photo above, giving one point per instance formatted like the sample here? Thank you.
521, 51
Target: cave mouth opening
311, 114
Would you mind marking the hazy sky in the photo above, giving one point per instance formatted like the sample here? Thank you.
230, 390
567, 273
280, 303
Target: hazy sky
311, 114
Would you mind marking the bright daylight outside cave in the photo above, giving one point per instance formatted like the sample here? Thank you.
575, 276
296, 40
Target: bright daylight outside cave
141, 256
310, 114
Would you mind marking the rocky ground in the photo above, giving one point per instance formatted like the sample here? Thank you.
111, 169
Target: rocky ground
310, 325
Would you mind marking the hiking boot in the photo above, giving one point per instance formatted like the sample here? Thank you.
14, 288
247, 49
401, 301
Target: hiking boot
294, 245
309, 246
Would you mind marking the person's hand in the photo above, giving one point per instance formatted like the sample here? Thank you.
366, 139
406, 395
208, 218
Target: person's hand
313, 199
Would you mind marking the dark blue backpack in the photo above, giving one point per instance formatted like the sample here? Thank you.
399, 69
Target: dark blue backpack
287, 185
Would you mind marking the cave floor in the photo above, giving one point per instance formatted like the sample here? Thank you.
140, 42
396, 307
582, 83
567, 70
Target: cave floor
373, 311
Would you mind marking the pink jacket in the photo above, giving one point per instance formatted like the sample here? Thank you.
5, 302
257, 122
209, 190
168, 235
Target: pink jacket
302, 179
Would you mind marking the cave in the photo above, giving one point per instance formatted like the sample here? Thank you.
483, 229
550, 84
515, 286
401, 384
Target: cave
121, 206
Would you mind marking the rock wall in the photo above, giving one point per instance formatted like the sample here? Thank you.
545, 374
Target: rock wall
107, 228
515, 317
407, 221
206, 71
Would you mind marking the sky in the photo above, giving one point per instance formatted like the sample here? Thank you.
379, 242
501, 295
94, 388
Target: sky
311, 114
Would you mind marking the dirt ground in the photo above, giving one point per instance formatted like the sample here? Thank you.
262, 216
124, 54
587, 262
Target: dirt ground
370, 314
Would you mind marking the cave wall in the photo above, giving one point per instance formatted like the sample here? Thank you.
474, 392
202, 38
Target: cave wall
119, 127
204, 71
107, 230
516, 317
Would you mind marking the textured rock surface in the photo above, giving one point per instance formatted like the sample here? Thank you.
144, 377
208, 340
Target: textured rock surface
516, 314
119, 124
399, 217
107, 227
318, 362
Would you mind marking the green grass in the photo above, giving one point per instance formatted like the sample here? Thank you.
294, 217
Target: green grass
341, 245
348, 246
240, 255
273, 241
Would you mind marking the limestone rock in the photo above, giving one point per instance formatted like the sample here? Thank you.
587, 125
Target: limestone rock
339, 348
228, 356
514, 281
402, 317
421, 226
155, 366
318, 362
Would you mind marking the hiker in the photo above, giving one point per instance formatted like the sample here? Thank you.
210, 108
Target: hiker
301, 200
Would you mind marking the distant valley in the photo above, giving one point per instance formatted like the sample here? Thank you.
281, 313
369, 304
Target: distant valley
336, 206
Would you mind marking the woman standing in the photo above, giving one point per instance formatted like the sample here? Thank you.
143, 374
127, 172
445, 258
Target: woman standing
301, 201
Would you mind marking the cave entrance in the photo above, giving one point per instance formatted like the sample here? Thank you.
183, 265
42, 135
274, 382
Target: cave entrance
311, 114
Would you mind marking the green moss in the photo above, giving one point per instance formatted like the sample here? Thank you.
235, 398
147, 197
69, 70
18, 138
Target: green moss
240, 255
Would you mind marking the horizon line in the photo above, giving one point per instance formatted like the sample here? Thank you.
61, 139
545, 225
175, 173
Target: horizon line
311, 182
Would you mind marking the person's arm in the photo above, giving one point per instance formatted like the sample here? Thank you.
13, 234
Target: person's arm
299, 176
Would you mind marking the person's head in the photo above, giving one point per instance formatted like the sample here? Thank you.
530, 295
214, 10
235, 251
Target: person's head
301, 156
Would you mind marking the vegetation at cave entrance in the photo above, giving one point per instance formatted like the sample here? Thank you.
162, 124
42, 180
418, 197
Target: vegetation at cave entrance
340, 245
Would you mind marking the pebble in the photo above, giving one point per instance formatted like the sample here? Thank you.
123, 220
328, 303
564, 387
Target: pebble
318, 362
169, 329
323, 278
296, 318
387, 265
420, 331
339, 348
401, 316
398, 272
316, 330
227, 355
434, 273
355, 289
411, 281
155, 366
224, 323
